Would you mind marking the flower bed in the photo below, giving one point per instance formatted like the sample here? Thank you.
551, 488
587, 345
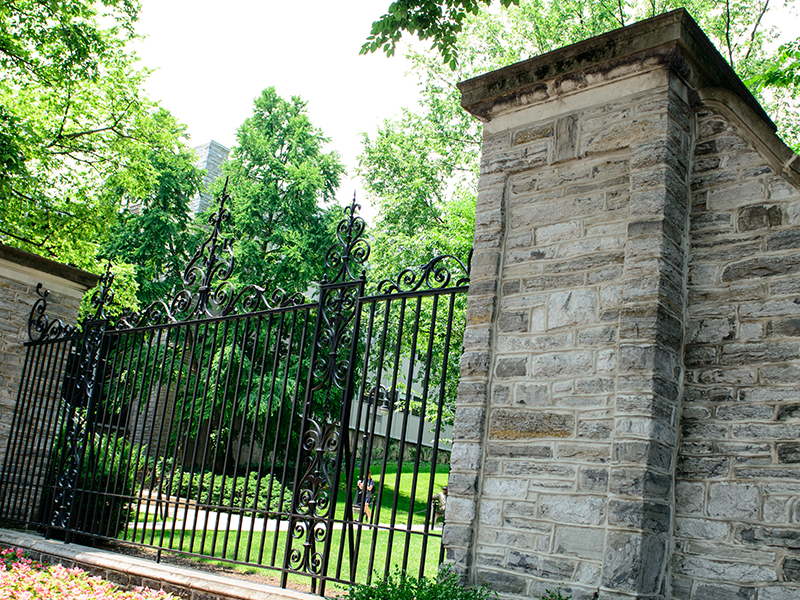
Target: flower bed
24, 579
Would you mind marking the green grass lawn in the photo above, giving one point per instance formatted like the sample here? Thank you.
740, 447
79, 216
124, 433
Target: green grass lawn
370, 551
387, 496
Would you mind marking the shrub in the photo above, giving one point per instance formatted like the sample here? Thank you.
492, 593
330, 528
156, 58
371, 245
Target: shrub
104, 484
403, 587
234, 490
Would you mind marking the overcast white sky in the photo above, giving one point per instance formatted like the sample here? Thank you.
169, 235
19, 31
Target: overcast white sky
214, 57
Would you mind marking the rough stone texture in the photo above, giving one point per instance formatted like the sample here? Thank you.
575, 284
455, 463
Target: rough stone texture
640, 334
738, 424
20, 272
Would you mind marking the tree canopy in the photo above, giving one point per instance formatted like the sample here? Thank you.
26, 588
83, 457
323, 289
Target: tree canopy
75, 127
155, 230
735, 26
280, 181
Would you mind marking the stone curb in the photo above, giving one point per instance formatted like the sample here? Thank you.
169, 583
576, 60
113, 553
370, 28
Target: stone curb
198, 584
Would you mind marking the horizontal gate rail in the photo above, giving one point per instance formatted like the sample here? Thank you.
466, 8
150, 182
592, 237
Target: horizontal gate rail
305, 437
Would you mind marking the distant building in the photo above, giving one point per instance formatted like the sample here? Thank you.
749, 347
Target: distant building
210, 157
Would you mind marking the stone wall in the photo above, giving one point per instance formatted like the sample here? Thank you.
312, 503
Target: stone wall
20, 272
628, 409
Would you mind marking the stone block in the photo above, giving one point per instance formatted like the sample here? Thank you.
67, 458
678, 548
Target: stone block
539, 470
723, 571
511, 367
633, 562
646, 428
513, 321
542, 283
779, 592
532, 133
562, 364
558, 569
474, 364
516, 160
581, 542
710, 591
759, 536
573, 509
532, 394
472, 393
465, 457
501, 582
572, 307
516, 424
593, 479
760, 216
788, 452
640, 482
469, 423
595, 429
766, 266
460, 510
641, 515
524, 450
454, 534
558, 232
715, 467
702, 529
501, 487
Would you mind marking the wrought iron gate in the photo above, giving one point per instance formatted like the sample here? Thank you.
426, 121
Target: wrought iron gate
246, 426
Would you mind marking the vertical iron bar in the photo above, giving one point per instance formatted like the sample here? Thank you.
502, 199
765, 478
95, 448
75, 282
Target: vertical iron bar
420, 433
162, 507
30, 425
180, 445
242, 508
404, 428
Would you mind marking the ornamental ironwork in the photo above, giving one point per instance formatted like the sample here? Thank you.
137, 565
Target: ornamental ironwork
213, 383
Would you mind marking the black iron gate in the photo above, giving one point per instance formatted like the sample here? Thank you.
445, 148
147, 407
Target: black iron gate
247, 426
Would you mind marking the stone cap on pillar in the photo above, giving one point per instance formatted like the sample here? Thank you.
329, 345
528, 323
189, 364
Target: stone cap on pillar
31, 268
673, 37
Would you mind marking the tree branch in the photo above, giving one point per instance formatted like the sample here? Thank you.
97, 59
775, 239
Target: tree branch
755, 29
728, 30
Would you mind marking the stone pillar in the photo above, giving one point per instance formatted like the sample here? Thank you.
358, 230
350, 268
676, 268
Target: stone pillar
567, 433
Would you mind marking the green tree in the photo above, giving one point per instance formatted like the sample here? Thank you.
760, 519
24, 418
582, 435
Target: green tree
280, 180
155, 231
73, 120
735, 26
439, 20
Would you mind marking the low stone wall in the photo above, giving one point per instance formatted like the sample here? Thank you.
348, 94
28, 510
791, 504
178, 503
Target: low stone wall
628, 415
129, 572
20, 273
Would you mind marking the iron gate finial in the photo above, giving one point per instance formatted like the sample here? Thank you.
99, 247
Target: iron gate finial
351, 250
208, 263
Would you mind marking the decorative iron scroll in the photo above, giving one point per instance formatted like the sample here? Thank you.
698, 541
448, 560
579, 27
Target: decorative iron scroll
437, 274
40, 326
313, 501
104, 295
351, 250
75, 426
214, 260
332, 363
